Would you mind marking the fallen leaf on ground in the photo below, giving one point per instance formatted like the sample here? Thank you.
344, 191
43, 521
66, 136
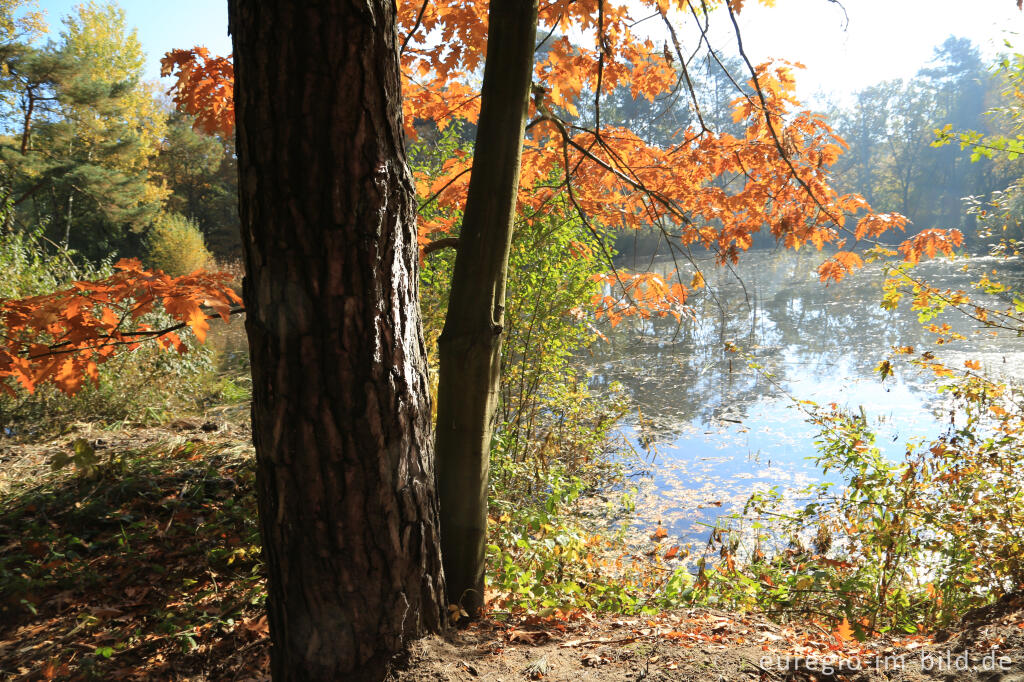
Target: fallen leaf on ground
532, 637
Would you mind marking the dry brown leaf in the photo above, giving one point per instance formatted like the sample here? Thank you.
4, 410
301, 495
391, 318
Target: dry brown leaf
532, 637
844, 633
106, 611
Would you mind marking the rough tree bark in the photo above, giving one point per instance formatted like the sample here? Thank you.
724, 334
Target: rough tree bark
341, 418
469, 348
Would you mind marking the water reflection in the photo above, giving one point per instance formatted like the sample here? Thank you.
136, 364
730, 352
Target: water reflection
717, 429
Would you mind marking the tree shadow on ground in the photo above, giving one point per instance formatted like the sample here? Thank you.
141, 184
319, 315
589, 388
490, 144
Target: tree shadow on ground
145, 564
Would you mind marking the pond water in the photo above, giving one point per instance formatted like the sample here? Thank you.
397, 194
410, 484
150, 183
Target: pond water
712, 430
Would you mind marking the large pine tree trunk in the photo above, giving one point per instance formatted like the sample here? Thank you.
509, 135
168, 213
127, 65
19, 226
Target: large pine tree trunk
469, 348
341, 419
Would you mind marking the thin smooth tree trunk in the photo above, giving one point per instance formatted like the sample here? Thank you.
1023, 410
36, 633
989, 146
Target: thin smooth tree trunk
469, 348
341, 414
26, 129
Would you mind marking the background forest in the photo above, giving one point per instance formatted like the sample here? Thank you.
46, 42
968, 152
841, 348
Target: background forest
97, 164
95, 159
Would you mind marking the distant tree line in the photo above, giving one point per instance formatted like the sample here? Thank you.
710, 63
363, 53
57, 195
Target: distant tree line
93, 157
890, 128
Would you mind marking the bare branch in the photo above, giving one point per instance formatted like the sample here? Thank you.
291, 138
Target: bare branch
415, 26
438, 244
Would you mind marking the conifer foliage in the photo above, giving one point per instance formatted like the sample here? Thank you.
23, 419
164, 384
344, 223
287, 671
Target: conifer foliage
85, 129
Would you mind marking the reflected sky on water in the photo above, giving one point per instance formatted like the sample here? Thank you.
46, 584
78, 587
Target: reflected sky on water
714, 429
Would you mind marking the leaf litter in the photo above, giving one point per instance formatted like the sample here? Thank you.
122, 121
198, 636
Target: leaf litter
153, 571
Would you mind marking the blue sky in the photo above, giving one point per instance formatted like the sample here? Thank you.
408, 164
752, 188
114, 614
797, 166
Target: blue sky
884, 38
162, 25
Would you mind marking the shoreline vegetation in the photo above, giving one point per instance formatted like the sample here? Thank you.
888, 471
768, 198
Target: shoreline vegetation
147, 476
139, 559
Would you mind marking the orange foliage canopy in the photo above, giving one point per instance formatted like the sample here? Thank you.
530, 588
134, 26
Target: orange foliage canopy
610, 175
63, 337
615, 178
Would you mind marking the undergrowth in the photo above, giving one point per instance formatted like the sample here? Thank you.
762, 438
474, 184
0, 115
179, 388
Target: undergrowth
146, 563
144, 387
905, 546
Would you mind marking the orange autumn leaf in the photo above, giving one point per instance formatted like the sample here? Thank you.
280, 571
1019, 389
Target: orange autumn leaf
844, 632
64, 336
876, 224
930, 242
67, 378
838, 266
204, 87
109, 318
188, 310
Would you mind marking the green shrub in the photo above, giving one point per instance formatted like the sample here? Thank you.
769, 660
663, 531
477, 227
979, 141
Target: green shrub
550, 284
552, 443
895, 545
144, 386
175, 245
138, 386
30, 269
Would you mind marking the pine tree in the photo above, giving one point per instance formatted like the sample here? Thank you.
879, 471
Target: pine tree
84, 134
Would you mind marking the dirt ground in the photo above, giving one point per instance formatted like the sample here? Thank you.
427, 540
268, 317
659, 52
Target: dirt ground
702, 644
152, 575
